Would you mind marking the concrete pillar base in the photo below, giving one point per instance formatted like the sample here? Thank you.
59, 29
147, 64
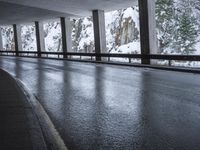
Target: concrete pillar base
99, 32
147, 28
40, 42
66, 35
1, 40
17, 38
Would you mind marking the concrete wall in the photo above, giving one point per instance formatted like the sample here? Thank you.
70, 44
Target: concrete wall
1, 40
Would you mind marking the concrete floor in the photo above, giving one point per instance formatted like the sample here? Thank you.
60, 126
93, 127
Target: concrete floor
99, 107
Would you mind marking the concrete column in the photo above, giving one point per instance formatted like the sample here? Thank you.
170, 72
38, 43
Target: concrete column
17, 38
147, 28
40, 42
66, 34
99, 32
1, 40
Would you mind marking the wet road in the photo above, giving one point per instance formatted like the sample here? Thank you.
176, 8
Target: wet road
99, 107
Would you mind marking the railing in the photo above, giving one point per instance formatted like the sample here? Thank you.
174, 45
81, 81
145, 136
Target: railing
70, 55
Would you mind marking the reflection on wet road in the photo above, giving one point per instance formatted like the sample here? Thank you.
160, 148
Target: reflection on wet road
99, 107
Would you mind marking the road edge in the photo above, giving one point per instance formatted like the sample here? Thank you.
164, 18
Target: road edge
51, 139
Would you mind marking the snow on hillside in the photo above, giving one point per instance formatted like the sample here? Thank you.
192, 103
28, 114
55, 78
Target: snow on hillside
28, 38
52, 31
87, 34
130, 48
178, 31
133, 13
118, 41
127, 19
7, 37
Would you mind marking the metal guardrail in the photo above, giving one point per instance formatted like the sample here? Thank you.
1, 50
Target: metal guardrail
105, 55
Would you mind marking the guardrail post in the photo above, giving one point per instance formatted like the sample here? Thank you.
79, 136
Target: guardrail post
17, 38
147, 28
66, 35
40, 42
99, 32
129, 59
170, 63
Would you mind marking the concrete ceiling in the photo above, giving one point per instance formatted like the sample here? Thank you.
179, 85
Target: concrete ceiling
12, 13
21, 11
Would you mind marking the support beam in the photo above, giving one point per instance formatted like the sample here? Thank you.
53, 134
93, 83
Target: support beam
17, 38
99, 32
66, 35
147, 28
40, 42
1, 40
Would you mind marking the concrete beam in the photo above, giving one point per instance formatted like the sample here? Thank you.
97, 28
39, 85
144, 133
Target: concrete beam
1, 40
99, 32
147, 28
40, 41
17, 38
66, 34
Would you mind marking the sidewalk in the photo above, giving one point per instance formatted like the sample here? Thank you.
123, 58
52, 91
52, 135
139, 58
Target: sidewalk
19, 127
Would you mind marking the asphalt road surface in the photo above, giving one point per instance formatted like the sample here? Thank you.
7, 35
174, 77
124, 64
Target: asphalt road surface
106, 107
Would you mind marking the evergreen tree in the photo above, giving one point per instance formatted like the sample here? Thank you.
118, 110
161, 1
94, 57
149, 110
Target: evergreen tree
186, 35
7, 35
165, 22
177, 25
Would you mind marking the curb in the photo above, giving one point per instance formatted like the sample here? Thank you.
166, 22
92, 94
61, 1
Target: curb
49, 136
